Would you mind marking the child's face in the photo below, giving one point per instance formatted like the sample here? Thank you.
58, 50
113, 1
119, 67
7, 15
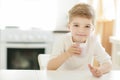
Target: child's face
80, 28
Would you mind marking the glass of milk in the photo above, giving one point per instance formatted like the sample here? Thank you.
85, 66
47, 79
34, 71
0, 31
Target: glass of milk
83, 48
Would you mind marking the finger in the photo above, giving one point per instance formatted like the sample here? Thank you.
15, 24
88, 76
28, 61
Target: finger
89, 65
94, 73
77, 52
98, 71
93, 70
75, 45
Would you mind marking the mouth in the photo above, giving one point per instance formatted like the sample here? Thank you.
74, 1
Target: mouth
82, 35
81, 38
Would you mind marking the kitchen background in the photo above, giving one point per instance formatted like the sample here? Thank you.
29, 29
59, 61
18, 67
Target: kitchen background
29, 28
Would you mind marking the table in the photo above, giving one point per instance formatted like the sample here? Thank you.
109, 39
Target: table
54, 75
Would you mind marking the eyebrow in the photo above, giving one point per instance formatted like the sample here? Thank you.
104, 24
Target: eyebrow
85, 24
89, 24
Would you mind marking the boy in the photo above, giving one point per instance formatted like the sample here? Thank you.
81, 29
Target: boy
75, 51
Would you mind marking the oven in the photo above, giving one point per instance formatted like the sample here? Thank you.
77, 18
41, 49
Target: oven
20, 49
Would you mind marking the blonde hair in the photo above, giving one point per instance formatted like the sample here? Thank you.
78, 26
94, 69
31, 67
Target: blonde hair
82, 10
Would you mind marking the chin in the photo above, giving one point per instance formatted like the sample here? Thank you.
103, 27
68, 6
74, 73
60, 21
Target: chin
82, 39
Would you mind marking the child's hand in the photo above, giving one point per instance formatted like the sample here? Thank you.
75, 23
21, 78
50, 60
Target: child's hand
74, 49
95, 71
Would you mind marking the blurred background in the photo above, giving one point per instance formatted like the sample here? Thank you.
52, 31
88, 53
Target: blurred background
29, 27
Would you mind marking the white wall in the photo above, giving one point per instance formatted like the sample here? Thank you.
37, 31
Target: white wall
28, 13
62, 15
43, 14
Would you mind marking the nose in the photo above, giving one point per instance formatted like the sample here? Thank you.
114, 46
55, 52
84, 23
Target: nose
81, 29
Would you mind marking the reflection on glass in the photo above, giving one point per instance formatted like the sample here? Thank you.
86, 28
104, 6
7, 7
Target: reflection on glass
23, 58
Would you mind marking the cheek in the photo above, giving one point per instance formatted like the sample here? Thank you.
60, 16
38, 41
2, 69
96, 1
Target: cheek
73, 30
88, 33
73, 33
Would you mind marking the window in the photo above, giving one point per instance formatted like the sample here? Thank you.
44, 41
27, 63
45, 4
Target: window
117, 28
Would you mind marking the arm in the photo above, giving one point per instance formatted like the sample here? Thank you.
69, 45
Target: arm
99, 71
103, 58
56, 62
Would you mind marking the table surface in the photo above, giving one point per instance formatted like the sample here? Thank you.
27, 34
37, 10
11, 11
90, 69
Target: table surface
54, 75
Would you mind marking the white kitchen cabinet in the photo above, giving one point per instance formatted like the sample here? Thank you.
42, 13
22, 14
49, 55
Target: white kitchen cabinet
115, 52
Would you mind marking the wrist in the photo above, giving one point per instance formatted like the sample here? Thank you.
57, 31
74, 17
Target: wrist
106, 67
68, 54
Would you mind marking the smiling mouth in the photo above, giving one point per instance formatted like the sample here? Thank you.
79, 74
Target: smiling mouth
82, 35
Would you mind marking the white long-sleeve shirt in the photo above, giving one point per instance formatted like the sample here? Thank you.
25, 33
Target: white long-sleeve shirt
93, 49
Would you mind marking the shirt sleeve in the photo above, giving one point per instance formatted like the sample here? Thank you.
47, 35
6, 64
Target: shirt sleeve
100, 54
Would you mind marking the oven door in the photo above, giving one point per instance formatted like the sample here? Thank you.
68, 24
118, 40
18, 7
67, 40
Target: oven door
20, 55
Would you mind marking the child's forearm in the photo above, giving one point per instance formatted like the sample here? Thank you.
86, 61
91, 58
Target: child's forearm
106, 67
55, 63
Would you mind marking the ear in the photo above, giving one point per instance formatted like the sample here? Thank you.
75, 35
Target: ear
93, 30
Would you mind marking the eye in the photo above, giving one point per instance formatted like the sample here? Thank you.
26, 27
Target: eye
76, 25
87, 26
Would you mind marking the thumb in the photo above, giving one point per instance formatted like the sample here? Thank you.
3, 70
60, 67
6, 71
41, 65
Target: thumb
89, 65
